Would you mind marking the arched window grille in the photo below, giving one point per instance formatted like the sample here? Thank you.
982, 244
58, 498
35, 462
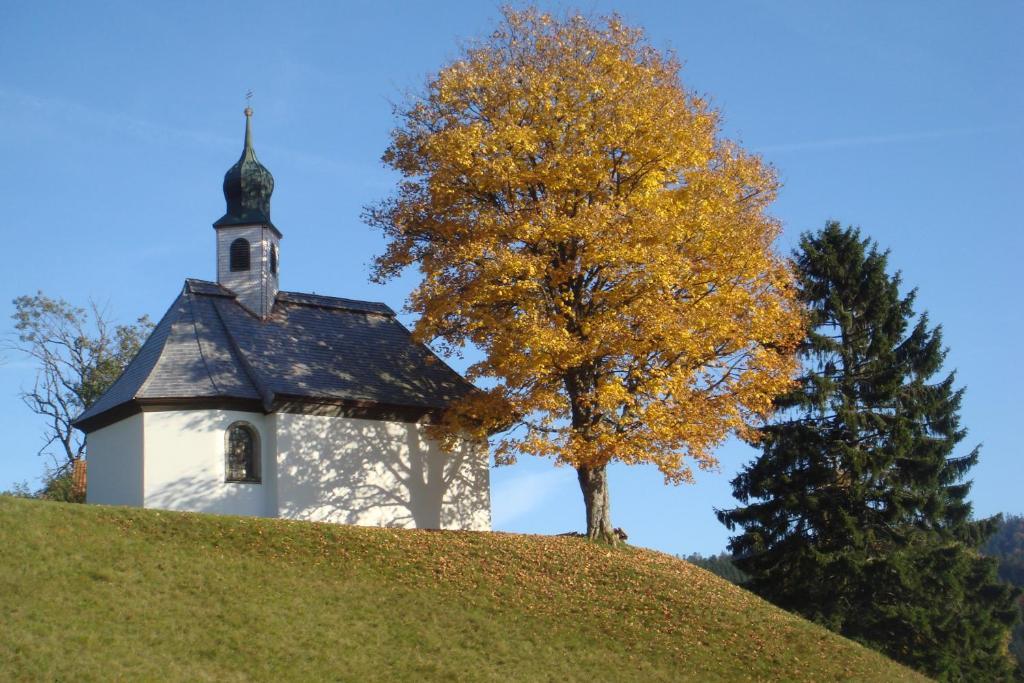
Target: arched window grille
241, 454
240, 254
273, 259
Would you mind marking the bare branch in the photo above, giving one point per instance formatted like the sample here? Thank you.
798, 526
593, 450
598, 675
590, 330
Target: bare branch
78, 353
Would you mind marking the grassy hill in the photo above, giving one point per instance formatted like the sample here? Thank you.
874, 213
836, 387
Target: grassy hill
90, 592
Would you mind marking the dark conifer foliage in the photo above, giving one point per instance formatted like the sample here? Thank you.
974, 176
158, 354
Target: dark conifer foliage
720, 565
1007, 547
855, 513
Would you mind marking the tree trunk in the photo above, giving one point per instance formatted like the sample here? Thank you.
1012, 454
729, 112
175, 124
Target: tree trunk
594, 484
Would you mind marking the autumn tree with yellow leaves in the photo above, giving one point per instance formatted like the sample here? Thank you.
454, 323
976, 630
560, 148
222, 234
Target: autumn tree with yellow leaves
577, 216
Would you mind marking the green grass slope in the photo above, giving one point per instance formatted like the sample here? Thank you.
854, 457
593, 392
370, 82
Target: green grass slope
101, 593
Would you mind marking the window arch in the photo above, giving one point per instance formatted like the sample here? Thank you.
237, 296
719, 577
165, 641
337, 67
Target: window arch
273, 259
240, 254
242, 453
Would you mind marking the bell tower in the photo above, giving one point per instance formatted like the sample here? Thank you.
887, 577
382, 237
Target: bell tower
248, 259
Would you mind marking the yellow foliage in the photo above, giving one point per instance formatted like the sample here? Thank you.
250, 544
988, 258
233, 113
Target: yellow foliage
575, 214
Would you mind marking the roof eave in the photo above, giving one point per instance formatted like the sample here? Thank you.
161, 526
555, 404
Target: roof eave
318, 406
229, 221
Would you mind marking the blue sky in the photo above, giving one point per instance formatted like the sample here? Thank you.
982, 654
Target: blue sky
118, 120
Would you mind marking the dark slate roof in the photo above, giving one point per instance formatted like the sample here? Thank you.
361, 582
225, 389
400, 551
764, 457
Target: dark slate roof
333, 302
311, 348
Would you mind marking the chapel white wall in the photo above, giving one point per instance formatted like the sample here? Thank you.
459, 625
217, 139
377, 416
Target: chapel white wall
185, 466
115, 463
378, 473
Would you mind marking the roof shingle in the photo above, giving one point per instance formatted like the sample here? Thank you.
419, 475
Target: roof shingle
312, 347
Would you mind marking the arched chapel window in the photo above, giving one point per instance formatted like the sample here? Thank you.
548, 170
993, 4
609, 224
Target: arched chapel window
240, 254
241, 454
273, 259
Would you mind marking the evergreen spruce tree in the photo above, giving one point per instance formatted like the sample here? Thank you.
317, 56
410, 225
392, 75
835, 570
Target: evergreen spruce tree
855, 513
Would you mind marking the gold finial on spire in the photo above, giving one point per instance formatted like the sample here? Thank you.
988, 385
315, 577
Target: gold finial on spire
248, 99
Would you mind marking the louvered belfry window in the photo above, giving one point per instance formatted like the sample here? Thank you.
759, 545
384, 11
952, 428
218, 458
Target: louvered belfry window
241, 456
240, 254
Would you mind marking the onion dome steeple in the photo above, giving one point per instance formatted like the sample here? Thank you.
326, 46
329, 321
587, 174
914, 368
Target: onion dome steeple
247, 187
248, 259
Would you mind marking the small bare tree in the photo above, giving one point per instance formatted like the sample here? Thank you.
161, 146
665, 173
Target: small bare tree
79, 353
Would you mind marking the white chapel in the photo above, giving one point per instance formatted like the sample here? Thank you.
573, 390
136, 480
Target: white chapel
250, 400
